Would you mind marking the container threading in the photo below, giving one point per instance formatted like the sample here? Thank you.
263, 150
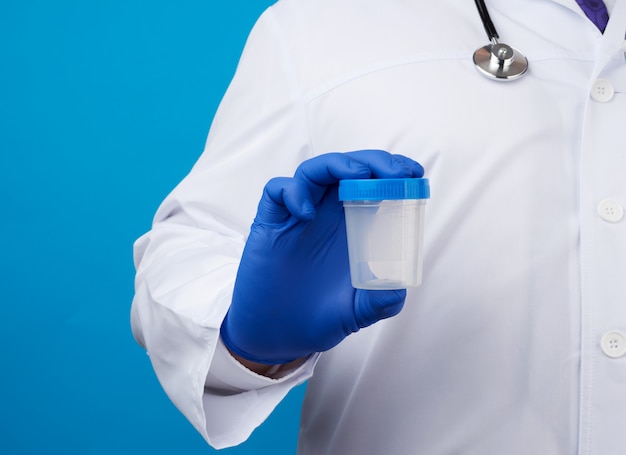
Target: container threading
383, 189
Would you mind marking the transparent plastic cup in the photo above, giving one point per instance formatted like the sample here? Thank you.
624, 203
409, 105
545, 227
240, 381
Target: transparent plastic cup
385, 230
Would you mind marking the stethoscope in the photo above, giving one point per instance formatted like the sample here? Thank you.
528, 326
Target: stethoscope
497, 61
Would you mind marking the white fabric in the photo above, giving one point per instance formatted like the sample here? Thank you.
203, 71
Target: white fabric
609, 4
499, 351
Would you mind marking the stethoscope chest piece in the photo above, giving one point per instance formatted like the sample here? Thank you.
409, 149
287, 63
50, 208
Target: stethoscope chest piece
500, 62
497, 61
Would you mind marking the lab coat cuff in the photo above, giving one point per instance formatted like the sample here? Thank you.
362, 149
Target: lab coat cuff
228, 374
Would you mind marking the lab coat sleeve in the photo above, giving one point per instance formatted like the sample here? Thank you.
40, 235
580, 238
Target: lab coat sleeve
186, 264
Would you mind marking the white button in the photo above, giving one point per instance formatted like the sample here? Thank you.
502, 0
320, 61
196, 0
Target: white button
610, 210
614, 344
602, 91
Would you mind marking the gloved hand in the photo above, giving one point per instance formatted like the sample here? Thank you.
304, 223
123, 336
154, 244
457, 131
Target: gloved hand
292, 294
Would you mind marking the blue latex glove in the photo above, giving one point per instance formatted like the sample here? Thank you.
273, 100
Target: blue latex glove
293, 295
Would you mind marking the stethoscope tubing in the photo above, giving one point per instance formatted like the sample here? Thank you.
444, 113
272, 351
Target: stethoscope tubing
492, 33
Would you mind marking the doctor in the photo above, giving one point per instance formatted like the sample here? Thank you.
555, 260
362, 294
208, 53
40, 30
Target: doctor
516, 341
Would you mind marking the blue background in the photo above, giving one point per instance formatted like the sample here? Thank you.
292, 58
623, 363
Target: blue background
104, 107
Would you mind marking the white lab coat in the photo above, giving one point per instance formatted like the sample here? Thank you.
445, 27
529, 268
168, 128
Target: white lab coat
504, 348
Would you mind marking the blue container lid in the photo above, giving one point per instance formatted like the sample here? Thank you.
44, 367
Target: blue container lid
383, 189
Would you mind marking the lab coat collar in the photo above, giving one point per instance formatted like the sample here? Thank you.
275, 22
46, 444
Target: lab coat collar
614, 37
611, 43
571, 4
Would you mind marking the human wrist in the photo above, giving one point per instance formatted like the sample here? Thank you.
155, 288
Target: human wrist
270, 371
